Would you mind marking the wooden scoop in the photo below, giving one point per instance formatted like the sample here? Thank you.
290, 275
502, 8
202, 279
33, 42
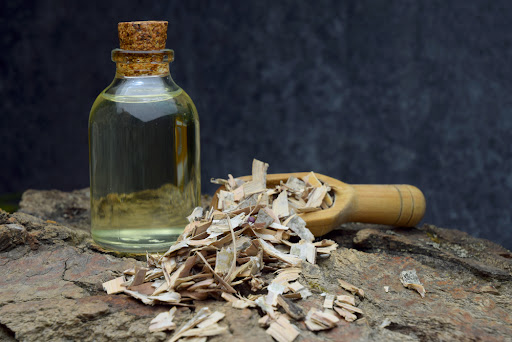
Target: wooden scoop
395, 205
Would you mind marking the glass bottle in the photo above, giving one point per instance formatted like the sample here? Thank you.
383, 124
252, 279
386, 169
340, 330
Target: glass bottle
143, 147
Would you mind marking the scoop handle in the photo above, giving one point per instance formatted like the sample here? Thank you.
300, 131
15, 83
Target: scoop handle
397, 205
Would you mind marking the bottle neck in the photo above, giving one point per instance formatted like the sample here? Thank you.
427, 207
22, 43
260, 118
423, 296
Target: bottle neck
142, 63
141, 69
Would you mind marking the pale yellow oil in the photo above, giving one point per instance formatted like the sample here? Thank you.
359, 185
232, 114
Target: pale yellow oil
144, 166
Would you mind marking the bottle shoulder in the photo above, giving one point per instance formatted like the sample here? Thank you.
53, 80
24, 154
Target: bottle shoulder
141, 89
142, 99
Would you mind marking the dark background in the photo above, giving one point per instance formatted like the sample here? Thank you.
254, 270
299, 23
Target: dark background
380, 91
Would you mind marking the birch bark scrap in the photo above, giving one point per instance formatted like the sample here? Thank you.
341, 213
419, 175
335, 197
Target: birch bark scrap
163, 321
160, 289
346, 299
143, 298
140, 275
348, 307
308, 209
223, 261
240, 304
211, 330
153, 274
272, 214
324, 243
311, 178
193, 339
114, 286
317, 320
305, 251
226, 286
282, 330
264, 321
189, 263
295, 205
238, 193
226, 200
213, 318
347, 316
195, 295
269, 309
130, 271
287, 275
145, 289
293, 310
251, 267
351, 288
256, 284
268, 237
235, 302
271, 251
259, 178
200, 316
197, 213
410, 280
316, 197
305, 293
328, 201
231, 183
278, 226
295, 184
220, 181
329, 301
229, 297
327, 250
298, 226
264, 217
274, 290
174, 277
280, 205
176, 247
296, 286
167, 297
201, 284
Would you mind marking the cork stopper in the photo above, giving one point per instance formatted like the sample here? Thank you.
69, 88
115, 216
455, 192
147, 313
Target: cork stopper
142, 35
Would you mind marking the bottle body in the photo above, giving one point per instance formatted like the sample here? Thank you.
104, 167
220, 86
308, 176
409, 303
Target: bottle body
144, 163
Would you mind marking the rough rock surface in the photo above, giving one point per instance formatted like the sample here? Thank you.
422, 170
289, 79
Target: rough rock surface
50, 288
